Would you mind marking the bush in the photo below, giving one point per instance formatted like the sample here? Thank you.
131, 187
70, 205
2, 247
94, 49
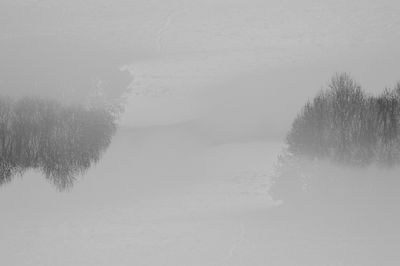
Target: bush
341, 126
62, 141
345, 125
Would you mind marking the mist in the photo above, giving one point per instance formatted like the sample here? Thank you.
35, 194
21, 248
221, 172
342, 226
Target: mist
181, 128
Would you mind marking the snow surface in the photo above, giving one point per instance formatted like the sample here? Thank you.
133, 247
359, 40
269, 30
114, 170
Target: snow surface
163, 197
170, 195
151, 201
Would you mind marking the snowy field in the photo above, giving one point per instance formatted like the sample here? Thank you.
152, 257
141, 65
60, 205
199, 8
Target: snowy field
161, 197
169, 202
214, 87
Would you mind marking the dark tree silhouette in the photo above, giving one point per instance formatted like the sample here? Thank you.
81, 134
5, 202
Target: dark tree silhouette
345, 125
62, 141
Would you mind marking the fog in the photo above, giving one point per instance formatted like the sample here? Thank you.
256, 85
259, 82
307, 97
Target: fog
163, 196
209, 91
175, 50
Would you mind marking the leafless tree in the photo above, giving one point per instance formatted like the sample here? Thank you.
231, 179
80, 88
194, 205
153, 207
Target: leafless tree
62, 141
346, 125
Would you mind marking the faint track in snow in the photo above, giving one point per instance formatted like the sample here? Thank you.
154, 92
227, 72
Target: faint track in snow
164, 28
236, 244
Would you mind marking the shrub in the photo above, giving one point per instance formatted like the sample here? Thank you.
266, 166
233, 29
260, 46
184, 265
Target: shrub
341, 126
62, 141
345, 125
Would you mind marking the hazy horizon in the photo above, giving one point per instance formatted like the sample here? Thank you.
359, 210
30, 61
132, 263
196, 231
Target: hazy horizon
210, 89
187, 58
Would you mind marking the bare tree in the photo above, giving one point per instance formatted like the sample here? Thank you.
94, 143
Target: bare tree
348, 126
62, 141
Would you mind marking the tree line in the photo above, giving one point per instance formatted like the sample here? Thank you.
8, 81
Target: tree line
347, 125
62, 141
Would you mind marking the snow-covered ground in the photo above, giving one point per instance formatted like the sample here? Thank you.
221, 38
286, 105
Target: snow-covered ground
287, 50
155, 199
197, 194
162, 197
